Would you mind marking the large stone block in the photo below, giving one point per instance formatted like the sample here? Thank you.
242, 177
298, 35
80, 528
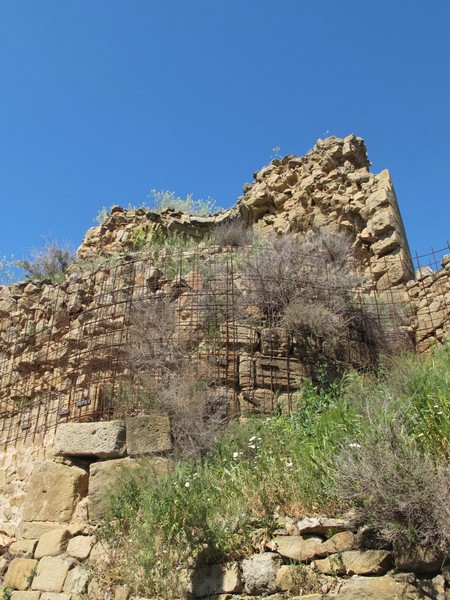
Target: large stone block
296, 547
216, 579
103, 440
355, 562
52, 543
25, 595
260, 572
53, 492
51, 573
80, 546
148, 434
19, 573
377, 588
106, 476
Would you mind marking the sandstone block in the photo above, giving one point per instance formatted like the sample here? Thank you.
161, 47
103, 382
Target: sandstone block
51, 573
52, 543
25, 596
355, 562
103, 440
148, 434
292, 577
341, 542
105, 476
239, 336
321, 526
297, 547
216, 579
19, 573
260, 572
53, 492
76, 581
80, 547
32, 530
23, 548
55, 596
376, 588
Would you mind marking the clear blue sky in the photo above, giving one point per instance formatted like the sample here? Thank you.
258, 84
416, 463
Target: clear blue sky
102, 100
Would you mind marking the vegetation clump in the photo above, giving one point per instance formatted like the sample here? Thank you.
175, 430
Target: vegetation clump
322, 458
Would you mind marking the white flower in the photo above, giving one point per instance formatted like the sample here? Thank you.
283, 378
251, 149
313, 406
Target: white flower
252, 446
289, 464
354, 445
253, 438
235, 454
187, 484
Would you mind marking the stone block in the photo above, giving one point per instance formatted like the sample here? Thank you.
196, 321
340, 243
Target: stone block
148, 434
53, 492
260, 572
355, 562
377, 588
238, 336
23, 548
277, 372
105, 476
216, 579
55, 596
341, 542
52, 543
25, 595
51, 573
296, 547
80, 547
321, 526
77, 580
32, 530
19, 573
103, 440
291, 577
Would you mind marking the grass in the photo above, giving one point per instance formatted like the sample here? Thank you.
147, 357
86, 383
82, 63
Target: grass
213, 509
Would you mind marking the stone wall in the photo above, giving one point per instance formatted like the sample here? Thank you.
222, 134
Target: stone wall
331, 186
54, 552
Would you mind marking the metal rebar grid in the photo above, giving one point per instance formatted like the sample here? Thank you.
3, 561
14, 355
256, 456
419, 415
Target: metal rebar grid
86, 350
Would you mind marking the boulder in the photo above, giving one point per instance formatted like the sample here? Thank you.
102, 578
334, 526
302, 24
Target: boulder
297, 547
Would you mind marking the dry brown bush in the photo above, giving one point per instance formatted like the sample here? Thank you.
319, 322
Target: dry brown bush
396, 489
169, 380
232, 233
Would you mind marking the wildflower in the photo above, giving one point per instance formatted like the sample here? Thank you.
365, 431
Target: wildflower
354, 445
252, 439
289, 464
252, 446
187, 484
235, 454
